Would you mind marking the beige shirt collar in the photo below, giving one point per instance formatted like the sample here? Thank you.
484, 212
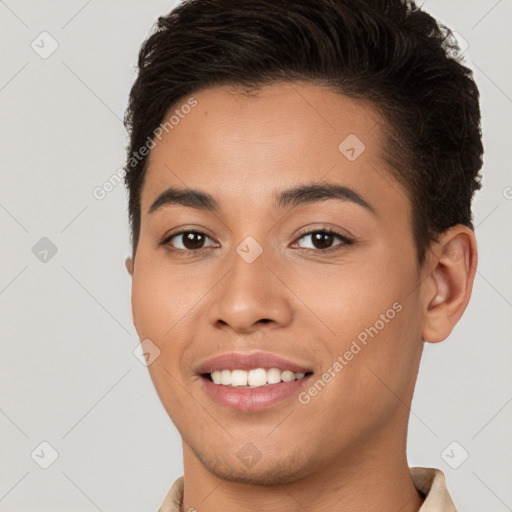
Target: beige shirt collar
429, 481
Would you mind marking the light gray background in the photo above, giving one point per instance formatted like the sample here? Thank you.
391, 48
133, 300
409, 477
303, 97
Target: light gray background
68, 375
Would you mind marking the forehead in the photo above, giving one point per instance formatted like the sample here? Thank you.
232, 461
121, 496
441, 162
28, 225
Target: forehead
233, 143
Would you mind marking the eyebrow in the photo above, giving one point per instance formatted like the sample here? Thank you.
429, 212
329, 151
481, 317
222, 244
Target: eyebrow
289, 198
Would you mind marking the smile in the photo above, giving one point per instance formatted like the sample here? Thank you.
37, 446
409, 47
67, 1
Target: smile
253, 397
253, 378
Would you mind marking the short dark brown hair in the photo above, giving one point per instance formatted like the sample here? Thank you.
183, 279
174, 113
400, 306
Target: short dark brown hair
388, 53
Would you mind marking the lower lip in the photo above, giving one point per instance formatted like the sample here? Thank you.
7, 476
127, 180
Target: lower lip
252, 399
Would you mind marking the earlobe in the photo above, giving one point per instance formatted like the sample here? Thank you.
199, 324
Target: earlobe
448, 287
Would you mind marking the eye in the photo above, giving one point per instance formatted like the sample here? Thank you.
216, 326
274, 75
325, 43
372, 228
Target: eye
322, 239
190, 241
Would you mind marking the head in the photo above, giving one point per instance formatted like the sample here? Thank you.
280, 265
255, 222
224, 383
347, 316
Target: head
282, 119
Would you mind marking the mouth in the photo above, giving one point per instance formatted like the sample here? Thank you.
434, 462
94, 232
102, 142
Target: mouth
227, 389
251, 381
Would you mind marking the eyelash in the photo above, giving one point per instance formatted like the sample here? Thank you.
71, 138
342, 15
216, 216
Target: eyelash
194, 252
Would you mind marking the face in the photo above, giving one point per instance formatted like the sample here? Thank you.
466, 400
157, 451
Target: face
326, 280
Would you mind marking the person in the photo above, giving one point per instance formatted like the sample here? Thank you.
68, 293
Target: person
300, 179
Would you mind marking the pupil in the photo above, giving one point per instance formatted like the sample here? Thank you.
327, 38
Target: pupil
323, 238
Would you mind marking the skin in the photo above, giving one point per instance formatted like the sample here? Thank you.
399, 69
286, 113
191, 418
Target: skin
345, 450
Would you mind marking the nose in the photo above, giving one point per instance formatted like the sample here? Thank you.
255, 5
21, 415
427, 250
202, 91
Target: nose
250, 296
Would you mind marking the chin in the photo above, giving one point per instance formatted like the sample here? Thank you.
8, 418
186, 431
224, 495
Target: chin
263, 471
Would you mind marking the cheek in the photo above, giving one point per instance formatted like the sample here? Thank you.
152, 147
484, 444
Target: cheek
162, 305
352, 296
161, 296
374, 332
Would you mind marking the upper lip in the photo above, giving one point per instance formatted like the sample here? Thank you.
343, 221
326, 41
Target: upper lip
248, 361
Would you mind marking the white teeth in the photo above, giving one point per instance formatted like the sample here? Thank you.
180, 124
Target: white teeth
287, 376
257, 377
273, 375
253, 378
225, 377
238, 378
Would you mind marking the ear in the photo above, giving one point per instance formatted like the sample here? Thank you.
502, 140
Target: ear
447, 288
129, 265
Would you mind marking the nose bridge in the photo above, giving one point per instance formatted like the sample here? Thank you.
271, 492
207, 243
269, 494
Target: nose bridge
249, 292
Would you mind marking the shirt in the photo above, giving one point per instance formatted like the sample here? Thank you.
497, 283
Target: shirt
430, 482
